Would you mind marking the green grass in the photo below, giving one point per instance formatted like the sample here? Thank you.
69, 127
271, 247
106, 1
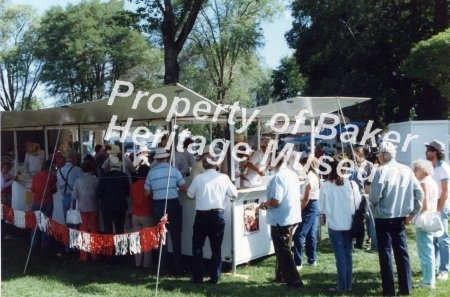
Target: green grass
49, 275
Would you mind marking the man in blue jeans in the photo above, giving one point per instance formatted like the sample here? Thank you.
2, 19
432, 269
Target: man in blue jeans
396, 196
436, 154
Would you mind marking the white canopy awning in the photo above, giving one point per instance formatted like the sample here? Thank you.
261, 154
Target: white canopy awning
316, 106
98, 112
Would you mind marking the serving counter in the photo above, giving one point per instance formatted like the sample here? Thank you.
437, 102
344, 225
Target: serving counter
247, 236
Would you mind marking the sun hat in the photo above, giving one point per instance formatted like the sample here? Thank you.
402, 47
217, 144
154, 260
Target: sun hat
161, 153
436, 144
114, 161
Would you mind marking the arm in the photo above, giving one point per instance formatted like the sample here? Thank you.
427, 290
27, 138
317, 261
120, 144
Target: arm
148, 194
254, 168
376, 189
305, 199
271, 203
409, 219
444, 194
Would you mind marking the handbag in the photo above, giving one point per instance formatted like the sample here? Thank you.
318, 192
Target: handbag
429, 221
73, 216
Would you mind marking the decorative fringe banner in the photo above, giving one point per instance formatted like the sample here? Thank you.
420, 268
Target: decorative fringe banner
106, 244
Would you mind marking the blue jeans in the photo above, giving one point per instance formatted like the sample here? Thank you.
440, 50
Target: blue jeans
442, 244
41, 238
425, 249
175, 218
391, 235
211, 224
341, 243
306, 234
66, 204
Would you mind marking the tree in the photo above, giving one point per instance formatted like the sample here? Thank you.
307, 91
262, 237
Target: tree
86, 47
287, 80
19, 69
355, 48
227, 31
429, 61
174, 20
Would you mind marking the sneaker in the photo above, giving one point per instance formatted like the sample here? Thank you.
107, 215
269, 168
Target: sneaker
313, 263
424, 285
442, 275
299, 267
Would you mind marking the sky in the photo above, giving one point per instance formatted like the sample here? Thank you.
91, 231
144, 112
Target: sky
275, 45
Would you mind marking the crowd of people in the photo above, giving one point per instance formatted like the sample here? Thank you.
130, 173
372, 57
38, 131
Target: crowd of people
389, 194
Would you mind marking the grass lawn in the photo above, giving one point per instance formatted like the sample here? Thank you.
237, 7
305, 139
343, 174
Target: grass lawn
50, 275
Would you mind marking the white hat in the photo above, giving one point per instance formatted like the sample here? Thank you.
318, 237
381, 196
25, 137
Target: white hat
143, 148
114, 161
387, 147
161, 153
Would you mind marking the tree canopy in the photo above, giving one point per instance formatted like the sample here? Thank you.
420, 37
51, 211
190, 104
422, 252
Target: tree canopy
86, 47
173, 20
19, 69
355, 48
429, 61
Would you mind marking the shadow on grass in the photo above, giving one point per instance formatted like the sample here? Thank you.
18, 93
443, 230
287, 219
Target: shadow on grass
253, 279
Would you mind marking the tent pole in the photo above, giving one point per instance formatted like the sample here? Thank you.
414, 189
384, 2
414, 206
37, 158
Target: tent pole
313, 140
16, 153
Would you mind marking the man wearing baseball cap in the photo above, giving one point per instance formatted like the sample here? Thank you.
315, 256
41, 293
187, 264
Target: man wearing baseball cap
436, 154
396, 196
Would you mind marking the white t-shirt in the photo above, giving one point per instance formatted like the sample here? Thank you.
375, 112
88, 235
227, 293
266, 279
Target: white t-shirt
313, 180
254, 179
210, 190
432, 192
33, 163
338, 203
441, 173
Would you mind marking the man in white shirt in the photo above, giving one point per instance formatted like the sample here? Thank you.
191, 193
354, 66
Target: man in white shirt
256, 165
209, 190
436, 154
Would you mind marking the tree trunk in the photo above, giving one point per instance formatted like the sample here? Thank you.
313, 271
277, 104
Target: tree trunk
171, 66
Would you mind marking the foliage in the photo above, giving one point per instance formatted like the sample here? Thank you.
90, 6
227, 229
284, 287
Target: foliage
355, 48
19, 69
173, 20
226, 32
287, 80
86, 47
429, 61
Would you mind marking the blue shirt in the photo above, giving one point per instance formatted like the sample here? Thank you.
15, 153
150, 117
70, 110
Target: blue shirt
156, 181
66, 177
284, 187
395, 192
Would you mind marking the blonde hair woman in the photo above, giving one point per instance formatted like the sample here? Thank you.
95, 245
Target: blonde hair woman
423, 170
